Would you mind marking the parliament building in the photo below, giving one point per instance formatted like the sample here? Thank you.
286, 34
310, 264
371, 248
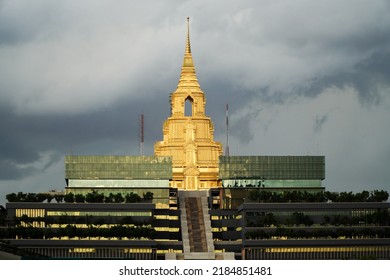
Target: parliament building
189, 201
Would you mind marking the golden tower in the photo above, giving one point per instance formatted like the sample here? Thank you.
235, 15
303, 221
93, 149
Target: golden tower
188, 134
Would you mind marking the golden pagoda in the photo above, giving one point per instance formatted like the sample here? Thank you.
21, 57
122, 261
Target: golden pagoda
188, 134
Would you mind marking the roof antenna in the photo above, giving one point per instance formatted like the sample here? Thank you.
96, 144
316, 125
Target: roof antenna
141, 135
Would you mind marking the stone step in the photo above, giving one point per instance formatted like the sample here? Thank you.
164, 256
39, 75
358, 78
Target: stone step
196, 230
196, 225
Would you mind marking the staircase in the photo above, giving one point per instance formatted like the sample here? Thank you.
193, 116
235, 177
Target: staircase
196, 226
195, 222
198, 243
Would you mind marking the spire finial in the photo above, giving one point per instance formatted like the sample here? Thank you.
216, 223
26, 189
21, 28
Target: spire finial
188, 45
188, 77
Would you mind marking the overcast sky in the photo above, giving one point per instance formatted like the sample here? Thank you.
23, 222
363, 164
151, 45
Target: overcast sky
301, 77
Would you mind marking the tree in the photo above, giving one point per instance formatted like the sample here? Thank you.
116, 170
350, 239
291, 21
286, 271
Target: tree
71, 231
118, 198
40, 197
69, 197
300, 218
118, 231
331, 196
253, 195
362, 196
379, 196
132, 198
110, 198
99, 221
64, 219
336, 220
26, 220
21, 197
94, 197
3, 215
79, 198
265, 196
30, 197
148, 196
270, 219
12, 197
381, 218
327, 220
49, 198
60, 197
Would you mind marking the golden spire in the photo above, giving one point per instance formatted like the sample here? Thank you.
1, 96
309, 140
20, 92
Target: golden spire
188, 75
188, 45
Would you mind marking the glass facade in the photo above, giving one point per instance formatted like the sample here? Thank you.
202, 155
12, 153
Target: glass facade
118, 167
309, 213
96, 253
146, 184
272, 167
231, 183
317, 253
101, 213
32, 213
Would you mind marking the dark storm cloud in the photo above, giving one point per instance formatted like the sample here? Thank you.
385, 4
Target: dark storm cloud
26, 139
9, 170
75, 75
220, 92
369, 77
280, 52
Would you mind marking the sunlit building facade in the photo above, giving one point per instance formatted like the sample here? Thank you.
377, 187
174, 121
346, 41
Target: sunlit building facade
121, 174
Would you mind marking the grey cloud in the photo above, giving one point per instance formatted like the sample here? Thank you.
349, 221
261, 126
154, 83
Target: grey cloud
369, 78
11, 171
26, 139
220, 92
319, 122
98, 65
302, 54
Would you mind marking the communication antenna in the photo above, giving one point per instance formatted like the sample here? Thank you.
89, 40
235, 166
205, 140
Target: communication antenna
141, 135
227, 131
